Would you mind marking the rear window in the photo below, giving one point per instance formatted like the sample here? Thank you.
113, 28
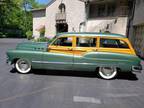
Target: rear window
113, 43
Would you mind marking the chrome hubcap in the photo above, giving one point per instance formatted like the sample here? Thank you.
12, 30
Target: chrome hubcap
23, 65
107, 71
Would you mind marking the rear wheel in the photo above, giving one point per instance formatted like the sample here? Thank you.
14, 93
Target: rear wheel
23, 66
108, 72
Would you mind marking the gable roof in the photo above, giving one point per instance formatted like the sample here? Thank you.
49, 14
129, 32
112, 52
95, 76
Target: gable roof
39, 9
51, 2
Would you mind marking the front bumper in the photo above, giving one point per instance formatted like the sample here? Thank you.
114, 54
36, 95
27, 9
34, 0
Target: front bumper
8, 62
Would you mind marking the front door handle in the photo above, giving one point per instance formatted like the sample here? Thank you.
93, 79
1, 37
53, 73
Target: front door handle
81, 50
94, 50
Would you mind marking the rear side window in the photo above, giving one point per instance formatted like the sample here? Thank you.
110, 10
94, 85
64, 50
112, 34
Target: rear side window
113, 43
86, 42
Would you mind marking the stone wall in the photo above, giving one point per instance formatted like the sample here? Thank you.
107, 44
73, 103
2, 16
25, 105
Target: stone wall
38, 21
113, 25
139, 13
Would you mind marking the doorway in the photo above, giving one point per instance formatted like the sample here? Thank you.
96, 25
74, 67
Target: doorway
61, 27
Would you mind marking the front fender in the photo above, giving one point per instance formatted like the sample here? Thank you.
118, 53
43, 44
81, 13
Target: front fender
12, 55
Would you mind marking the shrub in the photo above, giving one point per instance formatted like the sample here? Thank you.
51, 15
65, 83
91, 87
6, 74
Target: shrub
42, 39
42, 32
29, 35
1, 35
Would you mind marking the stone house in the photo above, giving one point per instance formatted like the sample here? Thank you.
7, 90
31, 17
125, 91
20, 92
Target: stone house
60, 16
82, 16
136, 30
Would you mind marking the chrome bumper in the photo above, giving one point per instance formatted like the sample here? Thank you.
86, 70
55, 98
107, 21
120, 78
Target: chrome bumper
8, 62
137, 68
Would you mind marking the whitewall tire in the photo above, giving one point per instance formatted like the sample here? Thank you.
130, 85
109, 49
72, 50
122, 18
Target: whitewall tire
23, 66
107, 72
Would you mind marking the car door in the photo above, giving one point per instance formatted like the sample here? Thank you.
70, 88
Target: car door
84, 48
60, 54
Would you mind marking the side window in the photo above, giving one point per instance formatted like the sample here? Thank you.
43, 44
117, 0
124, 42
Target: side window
113, 43
63, 41
123, 44
86, 42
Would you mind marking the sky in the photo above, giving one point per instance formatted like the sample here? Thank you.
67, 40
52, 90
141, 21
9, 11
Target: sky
43, 1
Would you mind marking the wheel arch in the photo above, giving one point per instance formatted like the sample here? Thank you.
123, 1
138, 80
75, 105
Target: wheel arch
14, 60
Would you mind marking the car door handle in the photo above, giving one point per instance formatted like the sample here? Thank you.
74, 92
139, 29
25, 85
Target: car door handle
94, 50
70, 49
80, 50
83, 50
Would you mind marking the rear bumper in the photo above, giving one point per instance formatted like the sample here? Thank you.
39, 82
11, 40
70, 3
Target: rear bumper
136, 68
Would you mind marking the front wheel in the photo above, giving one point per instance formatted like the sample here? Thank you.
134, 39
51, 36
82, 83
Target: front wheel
23, 66
108, 72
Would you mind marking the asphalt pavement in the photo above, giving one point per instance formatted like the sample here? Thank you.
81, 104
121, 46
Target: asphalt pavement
64, 89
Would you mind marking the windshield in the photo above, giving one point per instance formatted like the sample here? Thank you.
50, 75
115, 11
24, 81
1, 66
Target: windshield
52, 39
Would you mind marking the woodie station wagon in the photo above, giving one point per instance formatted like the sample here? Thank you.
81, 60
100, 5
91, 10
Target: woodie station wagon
105, 54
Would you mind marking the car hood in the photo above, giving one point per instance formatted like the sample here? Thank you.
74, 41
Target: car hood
33, 46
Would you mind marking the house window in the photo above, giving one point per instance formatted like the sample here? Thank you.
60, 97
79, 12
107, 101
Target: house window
62, 8
101, 10
110, 10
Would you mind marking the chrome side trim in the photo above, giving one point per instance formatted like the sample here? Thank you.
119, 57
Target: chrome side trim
85, 63
70, 63
46, 62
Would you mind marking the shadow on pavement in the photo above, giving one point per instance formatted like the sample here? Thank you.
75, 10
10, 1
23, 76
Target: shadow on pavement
66, 73
127, 76
13, 70
121, 76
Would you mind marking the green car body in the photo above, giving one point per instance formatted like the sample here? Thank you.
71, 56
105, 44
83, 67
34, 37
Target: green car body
40, 57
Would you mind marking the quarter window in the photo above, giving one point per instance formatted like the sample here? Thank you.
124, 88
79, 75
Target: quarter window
113, 43
64, 41
86, 42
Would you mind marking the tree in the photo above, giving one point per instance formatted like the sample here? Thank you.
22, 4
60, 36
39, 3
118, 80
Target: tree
16, 17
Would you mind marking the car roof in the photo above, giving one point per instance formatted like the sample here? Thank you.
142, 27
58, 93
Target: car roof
90, 34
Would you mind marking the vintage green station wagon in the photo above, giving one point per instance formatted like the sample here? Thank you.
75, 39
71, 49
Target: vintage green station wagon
103, 53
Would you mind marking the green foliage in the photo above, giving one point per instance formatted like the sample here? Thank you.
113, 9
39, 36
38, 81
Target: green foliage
42, 39
16, 17
2, 35
29, 35
42, 32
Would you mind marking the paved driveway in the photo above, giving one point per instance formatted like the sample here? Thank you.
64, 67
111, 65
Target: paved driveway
58, 89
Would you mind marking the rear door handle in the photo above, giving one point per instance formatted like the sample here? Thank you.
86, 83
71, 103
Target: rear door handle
70, 49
